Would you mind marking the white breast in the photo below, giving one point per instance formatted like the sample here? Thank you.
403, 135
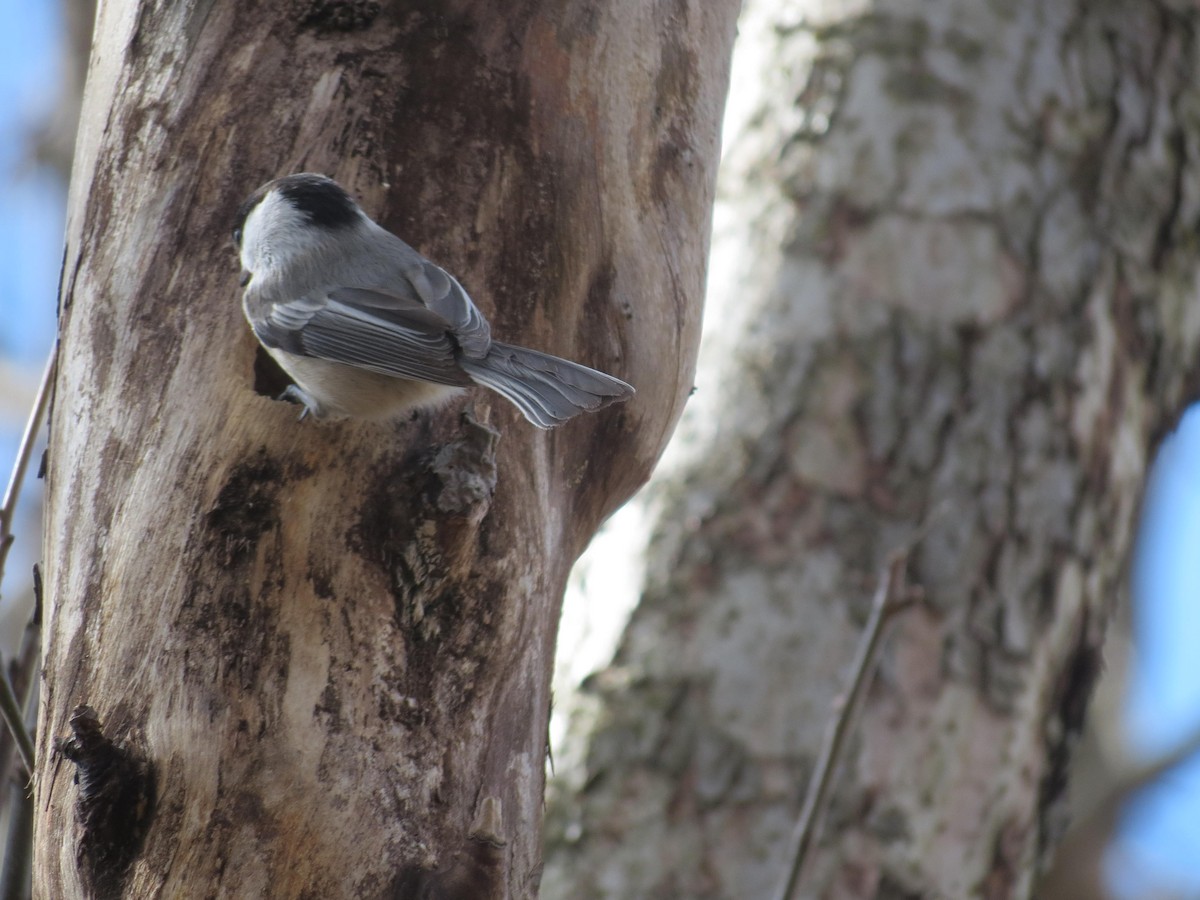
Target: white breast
343, 390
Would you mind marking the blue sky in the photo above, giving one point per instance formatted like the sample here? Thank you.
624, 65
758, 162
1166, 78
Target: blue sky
1161, 829
32, 205
32, 201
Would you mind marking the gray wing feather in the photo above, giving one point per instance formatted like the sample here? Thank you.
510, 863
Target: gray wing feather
389, 306
444, 295
390, 338
407, 279
440, 291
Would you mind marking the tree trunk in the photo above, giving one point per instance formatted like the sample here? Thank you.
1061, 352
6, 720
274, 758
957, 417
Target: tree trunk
963, 294
318, 653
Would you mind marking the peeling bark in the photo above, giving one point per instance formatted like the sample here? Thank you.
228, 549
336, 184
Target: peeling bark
334, 639
965, 290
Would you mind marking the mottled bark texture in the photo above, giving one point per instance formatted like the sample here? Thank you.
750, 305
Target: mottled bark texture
329, 643
966, 276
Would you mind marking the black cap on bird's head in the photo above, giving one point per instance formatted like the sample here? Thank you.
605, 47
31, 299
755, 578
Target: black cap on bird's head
322, 201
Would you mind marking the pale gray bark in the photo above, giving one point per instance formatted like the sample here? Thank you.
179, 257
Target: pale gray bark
964, 289
324, 649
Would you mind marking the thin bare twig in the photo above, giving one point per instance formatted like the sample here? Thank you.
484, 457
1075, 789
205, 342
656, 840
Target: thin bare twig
22, 669
10, 707
21, 675
24, 452
891, 596
18, 846
15, 872
16, 794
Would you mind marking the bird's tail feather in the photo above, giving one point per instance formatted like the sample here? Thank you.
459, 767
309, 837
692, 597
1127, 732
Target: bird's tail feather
548, 390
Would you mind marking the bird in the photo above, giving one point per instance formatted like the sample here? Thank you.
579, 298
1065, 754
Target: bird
367, 327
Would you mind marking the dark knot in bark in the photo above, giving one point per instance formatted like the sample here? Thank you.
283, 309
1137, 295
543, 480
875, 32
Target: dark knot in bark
115, 803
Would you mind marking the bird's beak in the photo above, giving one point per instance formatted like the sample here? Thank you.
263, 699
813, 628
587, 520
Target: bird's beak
245, 277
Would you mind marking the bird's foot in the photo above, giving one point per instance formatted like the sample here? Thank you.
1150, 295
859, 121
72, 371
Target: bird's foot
296, 394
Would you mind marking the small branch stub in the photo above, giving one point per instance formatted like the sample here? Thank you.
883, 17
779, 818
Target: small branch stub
115, 803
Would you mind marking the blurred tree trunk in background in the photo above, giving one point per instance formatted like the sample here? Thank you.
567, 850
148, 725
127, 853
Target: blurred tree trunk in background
318, 653
54, 137
960, 288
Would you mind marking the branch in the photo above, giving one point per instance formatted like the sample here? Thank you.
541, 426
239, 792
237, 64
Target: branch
24, 452
891, 597
10, 707
14, 873
18, 845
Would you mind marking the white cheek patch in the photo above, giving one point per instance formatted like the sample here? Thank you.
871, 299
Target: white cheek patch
274, 232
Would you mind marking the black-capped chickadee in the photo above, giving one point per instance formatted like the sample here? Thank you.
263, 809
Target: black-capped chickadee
367, 327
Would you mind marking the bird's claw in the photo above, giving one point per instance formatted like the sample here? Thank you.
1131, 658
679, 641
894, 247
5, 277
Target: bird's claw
296, 394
